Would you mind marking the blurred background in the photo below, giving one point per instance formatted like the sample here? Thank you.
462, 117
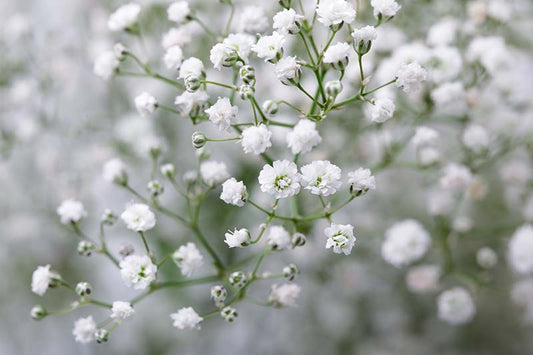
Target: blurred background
59, 124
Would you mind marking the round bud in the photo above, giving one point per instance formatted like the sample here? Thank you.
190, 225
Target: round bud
198, 139
246, 92
237, 279
333, 88
247, 74
290, 271
83, 289
168, 170
101, 335
270, 107
298, 240
192, 83
228, 314
190, 177
86, 248
108, 217
38, 312
219, 294
155, 188
120, 51
155, 150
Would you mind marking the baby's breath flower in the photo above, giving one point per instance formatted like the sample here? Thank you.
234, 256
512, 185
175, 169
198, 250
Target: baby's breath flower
360, 181
42, 278
138, 217
219, 294
173, 57
237, 279
238, 238
284, 295
405, 242
188, 258
222, 113
340, 237
270, 48
303, 137
287, 21
381, 110
213, 172
256, 139
124, 17
186, 318
145, 104
385, 9
178, 11
280, 179
335, 13
234, 192
115, 171
137, 271
456, 306
288, 71
278, 238
410, 77
121, 310
71, 211
338, 55
84, 330
321, 177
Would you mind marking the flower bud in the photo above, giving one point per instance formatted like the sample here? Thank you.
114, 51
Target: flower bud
228, 314
108, 217
86, 248
247, 74
219, 294
363, 38
237, 279
192, 83
155, 188
198, 140
120, 51
101, 335
270, 107
290, 271
298, 240
38, 312
190, 177
286, 4
246, 92
333, 88
83, 289
155, 150
168, 170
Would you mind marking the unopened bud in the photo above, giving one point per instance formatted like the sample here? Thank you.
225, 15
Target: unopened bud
228, 314
168, 170
108, 217
86, 248
155, 188
246, 92
333, 88
198, 140
247, 74
298, 240
38, 312
290, 271
270, 107
237, 279
83, 289
101, 335
192, 83
120, 51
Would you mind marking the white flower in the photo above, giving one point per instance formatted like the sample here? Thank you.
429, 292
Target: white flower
270, 48
445, 64
440, 203
288, 70
405, 242
287, 21
456, 306
321, 177
410, 77
252, 19
238, 238
365, 34
115, 171
178, 11
71, 211
188, 258
222, 55
456, 177
121, 310
443, 32
256, 139
303, 137
338, 55
385, 8
186, 318
280, 180
476, 138
486, 258
382, 110
221, 114
138, 217
360, 181
427, 156
284, 295
84, 330
423, 278
491, 52
340, 237
278, 238
41, 279
335, 12
179, 36
173, 57
106, 65
241, 43
124, 17
424, 136
145, 104
234, 192
522, 293
521, 250
191, 102
450, 98
213, 172
191, 67
137, 271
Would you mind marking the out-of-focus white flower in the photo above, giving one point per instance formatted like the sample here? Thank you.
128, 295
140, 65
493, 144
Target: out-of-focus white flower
178, 11
321, 177
138, 217
335, 12
410, 77
179, 36
443, 32
500, 10
340, 238
444, 64
338, 55
462, 224
381, 110
106, 65
424, 136
360, 181
71, 211
191, 67
385, 8
137, 271
486, 258
516, 172
476, 138
270, 48
423, 278
222, 113
521, 250
303, 137
173, 57
145, 104
405, 242
252, 19
288, 71
456, 177
256, 139
41, 279
427, 156
115, 171
456, 306
522, 293
238, 238
491, 52
191, 102
287, 21
440, 202
188, 258
124, 17
234, 192
121, 310
241, 43
280, 179
84, 330
186, 318
214, 172
450, 98
278, 238
284, 295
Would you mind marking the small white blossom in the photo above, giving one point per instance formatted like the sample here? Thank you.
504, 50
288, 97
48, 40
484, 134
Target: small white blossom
427, 156
440, 203
321, 177
137, 271
234, 192
486, 258
191, 102
179, 36
405, 242
241, 43
214, 172
287, 21
365, 34
84, 330
450, 98
456, 306
278, 238
270, 48
288, 70
410, 77
280, 180
522, 294
385, 8
222, 113
456, 177
335, 12
360, 181
303, 137
284, 295
145, 104
173, 57
188, 258
71, 211
41, 279
340, 237
178, 11
521, 250
191, 67
115, 171
222, 55
124, 17
338, 55
381, 110
252, 19
424, 136
106, 65
186, 318
121, 310
138, 217
238, 238
476, 138
256, 139
423, 278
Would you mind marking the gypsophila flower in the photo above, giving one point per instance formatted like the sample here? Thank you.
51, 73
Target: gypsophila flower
121, 310
270, 48
340, 237
363, 38
521, 250
84, 330
228, 314
252, 19
486, 258
280, 179
106, 65
238, 238
288, 71
168, 170
476, 138
173, 57
522, 293
424, 136
298, 240
338, 55
237, 279
71, 211
222, 113
191, 67
360, 181
428, 156
321, 177
256, 139
115, 171
290, 271
405, 242
456, 177
222, 55
178, 36
138, 217
284, 295
219, 294
287, 21
234, 192
381, 110
213, 172
450, 98
42, 278
186, 318
178, 11
188, 258
38, 312
145, 104
335, 12
303, 137
124, 17
120, 51
137, 271
278, 238
410, 77
456, 306
241, 43
385, 8
192, 103
423, 278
